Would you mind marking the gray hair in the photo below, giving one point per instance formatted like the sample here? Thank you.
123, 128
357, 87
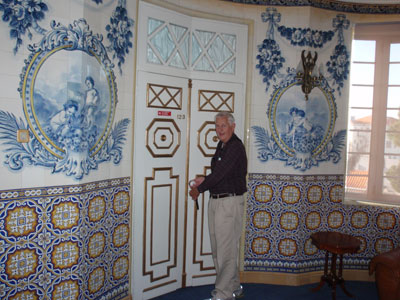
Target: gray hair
227, 115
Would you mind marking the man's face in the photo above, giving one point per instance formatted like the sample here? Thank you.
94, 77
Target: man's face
224, 129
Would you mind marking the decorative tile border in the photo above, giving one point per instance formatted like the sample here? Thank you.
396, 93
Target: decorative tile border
67, 242
284, 210
349, 7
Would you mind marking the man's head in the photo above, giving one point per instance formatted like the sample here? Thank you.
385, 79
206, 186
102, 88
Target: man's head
224, 126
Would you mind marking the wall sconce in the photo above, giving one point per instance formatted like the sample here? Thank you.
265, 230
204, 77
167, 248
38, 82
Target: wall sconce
306, 73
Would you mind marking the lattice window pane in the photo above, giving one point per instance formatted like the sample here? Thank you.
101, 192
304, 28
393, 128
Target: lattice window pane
185, 48
177, 61
230, 39
151, 57
230, 68
153, 25
204, 37
196, 49
178, 32
164, 43
219, 52
204, 65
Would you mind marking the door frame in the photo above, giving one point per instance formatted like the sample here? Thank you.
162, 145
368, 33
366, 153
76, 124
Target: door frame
246, 80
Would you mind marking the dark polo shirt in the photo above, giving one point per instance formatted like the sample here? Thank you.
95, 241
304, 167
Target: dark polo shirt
228, 169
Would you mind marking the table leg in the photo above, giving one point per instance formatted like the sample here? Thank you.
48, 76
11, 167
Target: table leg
340, 278
333, 275
323, 277
326, 263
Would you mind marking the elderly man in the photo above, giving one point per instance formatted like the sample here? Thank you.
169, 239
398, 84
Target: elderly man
226, 184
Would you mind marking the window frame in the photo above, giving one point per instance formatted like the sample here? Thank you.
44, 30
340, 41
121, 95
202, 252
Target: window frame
383, 35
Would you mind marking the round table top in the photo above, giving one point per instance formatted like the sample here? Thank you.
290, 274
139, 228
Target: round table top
335, 242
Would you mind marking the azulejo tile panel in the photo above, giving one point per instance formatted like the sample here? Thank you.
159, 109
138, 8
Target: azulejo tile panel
284, 210
65, 242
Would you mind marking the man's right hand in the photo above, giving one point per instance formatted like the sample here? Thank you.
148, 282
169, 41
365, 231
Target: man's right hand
198, 180
194, 193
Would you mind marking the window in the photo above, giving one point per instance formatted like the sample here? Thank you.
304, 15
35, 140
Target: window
373, 146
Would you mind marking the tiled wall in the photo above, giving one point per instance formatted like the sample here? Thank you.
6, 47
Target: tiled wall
64, 236
65, 242
72, 241
284, 210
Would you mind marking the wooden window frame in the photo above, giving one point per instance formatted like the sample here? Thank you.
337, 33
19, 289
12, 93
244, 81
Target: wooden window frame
383, 35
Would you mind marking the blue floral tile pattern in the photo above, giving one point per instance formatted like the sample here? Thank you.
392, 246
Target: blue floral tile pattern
270, 60
284, 210
119, 33
69, 242
271, 57
306, 36
302, 133
22, 16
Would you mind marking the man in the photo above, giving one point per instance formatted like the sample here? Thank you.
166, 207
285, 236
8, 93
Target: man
227, 184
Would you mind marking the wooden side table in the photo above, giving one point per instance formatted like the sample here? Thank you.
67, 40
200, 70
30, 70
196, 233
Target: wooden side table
334, 243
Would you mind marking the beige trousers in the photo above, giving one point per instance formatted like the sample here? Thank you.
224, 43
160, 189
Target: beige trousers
225, 220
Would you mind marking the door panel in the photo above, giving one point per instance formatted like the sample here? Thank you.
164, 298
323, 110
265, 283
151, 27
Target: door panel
208, 98
163, 154
159, 184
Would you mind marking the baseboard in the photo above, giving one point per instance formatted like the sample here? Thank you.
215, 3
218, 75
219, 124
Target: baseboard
300, 279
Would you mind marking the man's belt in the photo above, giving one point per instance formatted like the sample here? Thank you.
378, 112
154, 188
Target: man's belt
224, 195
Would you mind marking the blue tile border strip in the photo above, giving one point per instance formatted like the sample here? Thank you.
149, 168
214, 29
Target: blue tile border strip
347, 7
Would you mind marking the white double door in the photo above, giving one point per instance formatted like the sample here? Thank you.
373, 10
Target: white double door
174, 139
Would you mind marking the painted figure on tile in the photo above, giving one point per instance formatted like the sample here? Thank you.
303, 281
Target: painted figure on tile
301, 135
92, 100
298, 123
301, 132
70, 121
66, 128
64, 120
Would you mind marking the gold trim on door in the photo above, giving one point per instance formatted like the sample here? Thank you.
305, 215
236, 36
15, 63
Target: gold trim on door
216, 101
206, 138
167, 142
172, 214
203, 223
163, 96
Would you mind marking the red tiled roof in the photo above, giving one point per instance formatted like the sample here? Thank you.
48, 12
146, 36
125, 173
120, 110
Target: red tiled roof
368, 120
358, 181
365, 120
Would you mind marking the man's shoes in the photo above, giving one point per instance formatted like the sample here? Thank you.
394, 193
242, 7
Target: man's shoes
239, 293
219, 299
